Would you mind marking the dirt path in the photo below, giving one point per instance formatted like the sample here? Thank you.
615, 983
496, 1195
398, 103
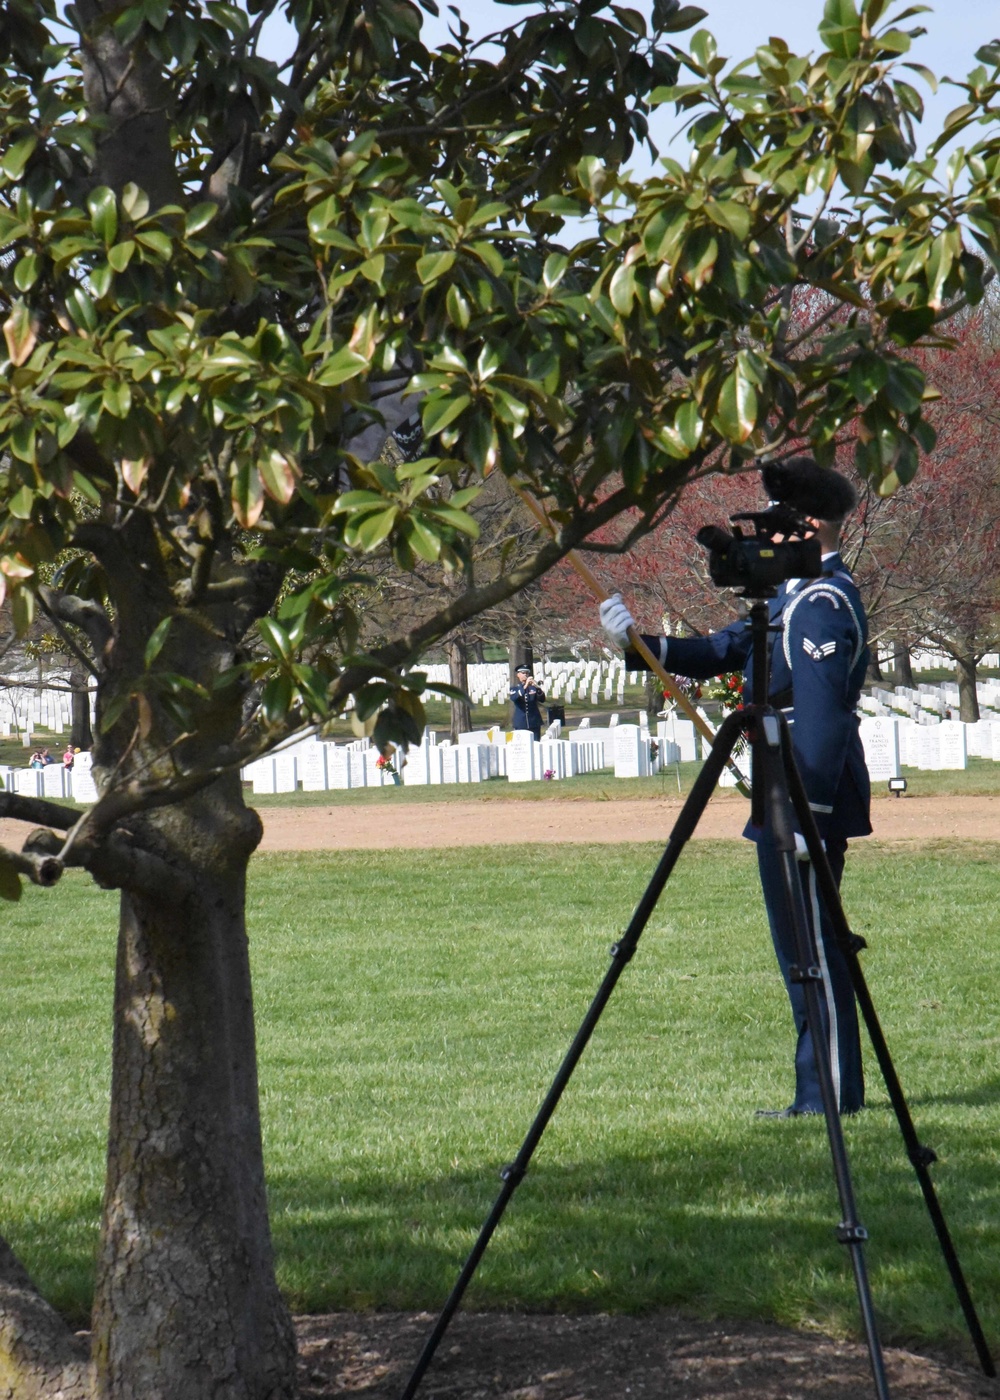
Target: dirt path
661, 1356
503, 822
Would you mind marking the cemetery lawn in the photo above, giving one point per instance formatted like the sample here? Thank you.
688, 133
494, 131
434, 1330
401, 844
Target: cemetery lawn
412, 1008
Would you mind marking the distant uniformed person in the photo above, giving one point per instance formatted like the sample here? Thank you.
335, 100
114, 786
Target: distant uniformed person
818, 667
526, 696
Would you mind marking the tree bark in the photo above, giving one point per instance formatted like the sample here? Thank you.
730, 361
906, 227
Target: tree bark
901, 666
968, 700
40, 1358
81, 736
521, 653
654, 699
874, 669
186, 1306
458, 674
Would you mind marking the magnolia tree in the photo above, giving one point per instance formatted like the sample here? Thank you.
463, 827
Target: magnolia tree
215, 272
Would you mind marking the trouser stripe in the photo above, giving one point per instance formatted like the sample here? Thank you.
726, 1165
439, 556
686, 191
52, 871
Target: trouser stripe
831, 1004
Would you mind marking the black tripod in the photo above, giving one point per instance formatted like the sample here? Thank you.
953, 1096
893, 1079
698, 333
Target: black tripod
779, 802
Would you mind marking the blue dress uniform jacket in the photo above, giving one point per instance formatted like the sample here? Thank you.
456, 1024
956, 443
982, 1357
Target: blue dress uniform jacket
526, 700
818, 666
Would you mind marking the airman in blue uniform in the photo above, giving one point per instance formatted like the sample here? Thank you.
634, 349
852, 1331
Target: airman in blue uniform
526, 696
818, 667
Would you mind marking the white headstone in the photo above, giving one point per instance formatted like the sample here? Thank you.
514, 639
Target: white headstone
953, 748
312, 767
929, 746
53, 780
522, 763
82, 778
261, 774
631, 752
285, 772
880, 737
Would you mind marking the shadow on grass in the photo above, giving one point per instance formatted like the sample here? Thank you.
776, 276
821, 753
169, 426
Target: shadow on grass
742, 1229
979, 1096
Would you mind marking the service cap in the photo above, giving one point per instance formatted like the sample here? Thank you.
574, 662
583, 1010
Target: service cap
805, 486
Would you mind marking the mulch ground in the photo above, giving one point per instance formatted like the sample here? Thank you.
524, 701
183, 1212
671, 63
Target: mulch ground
661, 1356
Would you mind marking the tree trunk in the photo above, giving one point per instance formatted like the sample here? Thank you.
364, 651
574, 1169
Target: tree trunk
521, 653
458, 674
901, 666
81, 736
654, 698
186, 1306
874, 669
968, 700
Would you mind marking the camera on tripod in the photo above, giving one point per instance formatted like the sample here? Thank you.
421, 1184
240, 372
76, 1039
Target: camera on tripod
758, 563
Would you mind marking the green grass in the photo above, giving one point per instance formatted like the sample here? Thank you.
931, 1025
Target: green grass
412, 1008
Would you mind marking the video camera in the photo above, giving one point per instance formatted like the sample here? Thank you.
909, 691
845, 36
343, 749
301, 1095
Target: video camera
757, 564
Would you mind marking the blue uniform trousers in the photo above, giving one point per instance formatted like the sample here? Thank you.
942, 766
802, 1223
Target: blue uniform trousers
837, 1004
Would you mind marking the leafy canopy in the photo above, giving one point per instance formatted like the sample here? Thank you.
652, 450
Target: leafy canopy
219, 277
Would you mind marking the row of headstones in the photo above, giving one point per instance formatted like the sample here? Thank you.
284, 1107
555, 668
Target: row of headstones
489, 682
53, 781
320, 765
892, 743
927, 703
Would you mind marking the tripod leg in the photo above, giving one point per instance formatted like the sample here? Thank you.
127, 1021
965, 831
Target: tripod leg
769, 779
621, 953
921, 1157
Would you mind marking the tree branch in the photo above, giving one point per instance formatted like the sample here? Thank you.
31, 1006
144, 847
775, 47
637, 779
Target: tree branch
84, 613
39, 1355
37, 810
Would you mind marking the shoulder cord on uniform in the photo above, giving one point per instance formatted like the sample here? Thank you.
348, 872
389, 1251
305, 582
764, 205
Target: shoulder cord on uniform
824, 582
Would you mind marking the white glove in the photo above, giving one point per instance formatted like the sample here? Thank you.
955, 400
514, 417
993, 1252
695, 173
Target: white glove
616, 620
801, 849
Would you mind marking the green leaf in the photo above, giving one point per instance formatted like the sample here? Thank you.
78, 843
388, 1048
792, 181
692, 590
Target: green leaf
457, 519
684, 18
20, 333
279, 476
26, 272
434, 265
345, 364
375, 527
729, 215
459, 311
622, 289
81, 309
437, 413
421, 540
22, 503
275, 638
18, 156
738, 404
247, 494
120, 255
199, 217
155, 644
276, 698
103, 208
157, 243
